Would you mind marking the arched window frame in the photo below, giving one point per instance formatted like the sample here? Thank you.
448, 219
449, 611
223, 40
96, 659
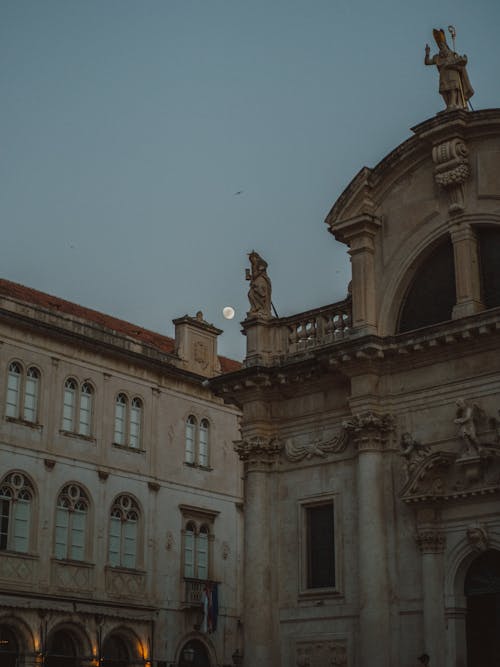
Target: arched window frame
23, 392
78, 407
197, 543
197, 442
16, 512
129, 418
72, 523
124, 533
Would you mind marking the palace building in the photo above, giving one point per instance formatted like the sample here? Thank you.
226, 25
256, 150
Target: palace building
120, 492
371, 427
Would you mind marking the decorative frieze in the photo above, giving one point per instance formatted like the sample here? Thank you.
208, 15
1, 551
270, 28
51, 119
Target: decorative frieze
297, 452
431, 541
452, 170
258, 449
74, 577
370, 430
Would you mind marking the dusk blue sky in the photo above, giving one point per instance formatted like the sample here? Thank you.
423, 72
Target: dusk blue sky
127, 127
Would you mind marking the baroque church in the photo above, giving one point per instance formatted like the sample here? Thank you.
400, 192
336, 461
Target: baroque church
370, 432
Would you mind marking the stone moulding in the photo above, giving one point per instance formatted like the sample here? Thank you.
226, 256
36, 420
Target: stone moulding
370, 430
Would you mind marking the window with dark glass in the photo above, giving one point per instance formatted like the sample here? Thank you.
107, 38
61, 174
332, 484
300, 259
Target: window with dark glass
320, 546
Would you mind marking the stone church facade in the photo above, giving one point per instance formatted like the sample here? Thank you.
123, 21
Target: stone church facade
120, 492
371, 427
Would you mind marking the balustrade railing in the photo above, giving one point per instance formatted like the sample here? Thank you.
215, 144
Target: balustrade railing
317, 327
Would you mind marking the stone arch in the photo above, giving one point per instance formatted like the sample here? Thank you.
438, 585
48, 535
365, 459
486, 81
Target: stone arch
204, 656
68, 635
25, 641
121, 646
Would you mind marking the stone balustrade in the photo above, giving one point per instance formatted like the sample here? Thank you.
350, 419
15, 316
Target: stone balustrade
320, 326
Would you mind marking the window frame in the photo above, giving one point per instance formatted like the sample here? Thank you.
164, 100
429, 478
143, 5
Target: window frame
304, 507
77, 408
123, 508
71, 529
24, 380
128, 432
203, 521
197, 441
10, 521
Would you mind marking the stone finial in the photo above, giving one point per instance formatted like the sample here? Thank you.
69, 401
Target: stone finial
454, 84
259, 293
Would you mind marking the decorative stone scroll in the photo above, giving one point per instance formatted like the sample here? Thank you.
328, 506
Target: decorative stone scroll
452, 170
370, 430
336, 445
258, 449
321, 653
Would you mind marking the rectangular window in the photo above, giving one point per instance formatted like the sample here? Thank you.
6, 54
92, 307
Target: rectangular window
85, 413
129, 543
189, 554
30, 399
62, 520
68, 409
120, 423
320, 547
202, 556
4, 522
21, 525
115, 528
135, 426
13, 387
78, 535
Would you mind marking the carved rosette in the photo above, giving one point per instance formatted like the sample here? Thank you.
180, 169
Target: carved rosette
431, 541
452, 170
258, 449
370, 431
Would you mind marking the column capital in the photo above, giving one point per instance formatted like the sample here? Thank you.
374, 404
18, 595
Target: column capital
258, 449
370, 431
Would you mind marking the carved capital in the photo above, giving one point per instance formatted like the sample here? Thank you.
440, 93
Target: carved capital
369, 430
258, 449
431, 541
452, 170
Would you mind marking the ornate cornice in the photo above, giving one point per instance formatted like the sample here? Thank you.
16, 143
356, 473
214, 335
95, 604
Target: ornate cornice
258, 449
370, 430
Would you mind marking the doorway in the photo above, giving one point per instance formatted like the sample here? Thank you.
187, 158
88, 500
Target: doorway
194, 654
9, 648
482, 590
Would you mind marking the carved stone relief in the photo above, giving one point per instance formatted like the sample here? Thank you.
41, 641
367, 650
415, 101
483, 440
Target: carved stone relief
71, 577
16, 569
478, 537
258, 449
295, 451
452, 170
370, 430
125, 584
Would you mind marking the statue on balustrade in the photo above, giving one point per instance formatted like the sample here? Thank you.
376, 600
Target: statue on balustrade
466, 419
259, 293
454, 84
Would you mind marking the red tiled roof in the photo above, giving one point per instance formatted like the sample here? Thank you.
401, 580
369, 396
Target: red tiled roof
36, 298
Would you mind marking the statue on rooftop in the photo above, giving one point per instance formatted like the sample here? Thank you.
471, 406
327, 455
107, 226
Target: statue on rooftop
454, 84
259, 293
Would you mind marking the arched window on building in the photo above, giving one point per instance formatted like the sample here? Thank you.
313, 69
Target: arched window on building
482, 590
124, 533
78, 407
115, 652
197, 444
197, 539
22, 392
431, 296
62, 650
16, 497
71, 523
128, 421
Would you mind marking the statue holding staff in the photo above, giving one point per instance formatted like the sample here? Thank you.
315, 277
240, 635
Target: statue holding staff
454, 84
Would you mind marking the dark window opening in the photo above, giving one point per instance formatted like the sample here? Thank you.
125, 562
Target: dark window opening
432, 294
489, 249
482, 589
320, 546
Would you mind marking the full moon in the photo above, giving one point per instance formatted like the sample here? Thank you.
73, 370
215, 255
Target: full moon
228, 312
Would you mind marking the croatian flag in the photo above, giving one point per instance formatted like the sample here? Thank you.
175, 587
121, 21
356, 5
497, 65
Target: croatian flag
210, 607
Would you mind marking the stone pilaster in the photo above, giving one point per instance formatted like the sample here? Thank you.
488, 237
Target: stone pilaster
261, 645
371, 434
467, 275
431, 542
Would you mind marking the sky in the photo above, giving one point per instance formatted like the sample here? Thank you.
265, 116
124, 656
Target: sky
147, 146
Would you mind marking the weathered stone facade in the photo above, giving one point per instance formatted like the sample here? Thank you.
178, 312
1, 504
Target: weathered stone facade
150, 450
382, 410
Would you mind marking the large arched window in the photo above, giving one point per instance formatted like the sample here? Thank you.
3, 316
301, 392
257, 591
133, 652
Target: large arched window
124, 532
71, 523
431, 296
22, 392
128, 421
196, 550
197, 443
78, 407
16, 497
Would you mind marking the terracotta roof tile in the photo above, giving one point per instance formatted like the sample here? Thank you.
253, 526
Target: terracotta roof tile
36, 298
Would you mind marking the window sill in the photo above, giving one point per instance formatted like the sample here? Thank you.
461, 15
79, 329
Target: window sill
23, 422
127, 448
78, 436
317, 594
198, 466
72, 562
122, 568
18, 554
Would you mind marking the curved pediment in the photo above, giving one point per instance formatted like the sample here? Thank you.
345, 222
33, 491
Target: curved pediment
445, 476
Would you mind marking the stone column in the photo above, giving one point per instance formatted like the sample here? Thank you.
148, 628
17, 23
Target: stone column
431, 542
467, 276
261, 642
371, 434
